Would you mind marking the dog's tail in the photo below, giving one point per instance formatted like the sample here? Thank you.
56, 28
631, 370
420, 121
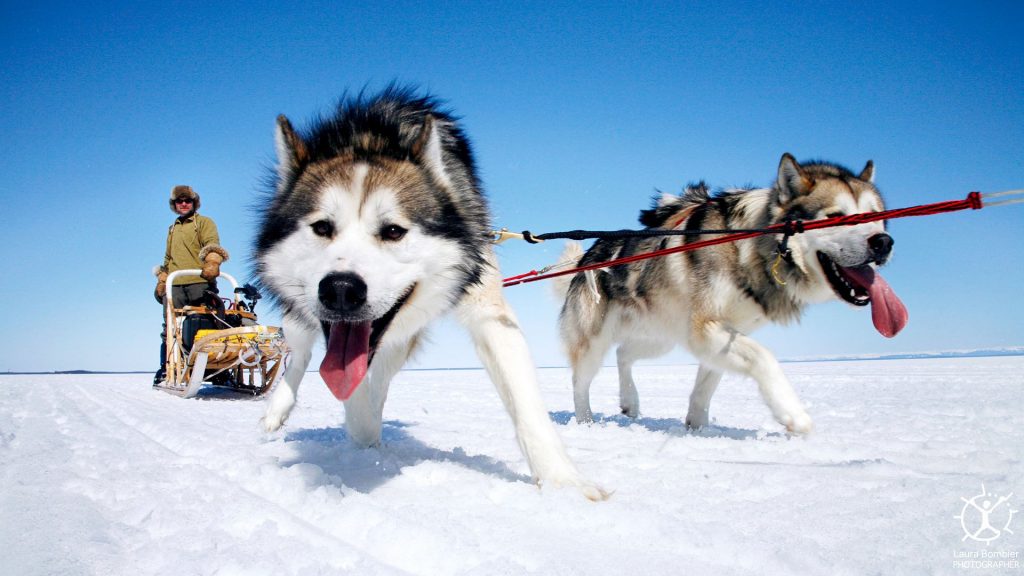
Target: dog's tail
570, 257
582, 311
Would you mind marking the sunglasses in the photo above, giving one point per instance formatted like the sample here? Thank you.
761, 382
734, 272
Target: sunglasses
183, 201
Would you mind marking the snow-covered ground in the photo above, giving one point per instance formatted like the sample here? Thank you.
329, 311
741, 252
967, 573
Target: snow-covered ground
102, 475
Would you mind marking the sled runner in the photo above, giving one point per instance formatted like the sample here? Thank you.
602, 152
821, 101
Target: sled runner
220, 345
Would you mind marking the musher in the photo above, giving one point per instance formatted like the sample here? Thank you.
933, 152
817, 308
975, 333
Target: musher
192, 242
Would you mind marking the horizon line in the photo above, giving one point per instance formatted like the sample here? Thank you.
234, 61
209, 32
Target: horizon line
973, 353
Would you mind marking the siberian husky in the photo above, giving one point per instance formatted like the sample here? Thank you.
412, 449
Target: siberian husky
710, 300
377, 225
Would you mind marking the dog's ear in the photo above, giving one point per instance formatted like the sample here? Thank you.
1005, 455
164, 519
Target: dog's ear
291, 150
428, 151
793, 181
868, 173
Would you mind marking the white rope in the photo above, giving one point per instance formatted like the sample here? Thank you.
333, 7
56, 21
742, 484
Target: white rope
1005, 202
1004, 193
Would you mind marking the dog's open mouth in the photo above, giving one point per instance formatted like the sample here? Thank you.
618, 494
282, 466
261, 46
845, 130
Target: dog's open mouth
862, 285
350, 349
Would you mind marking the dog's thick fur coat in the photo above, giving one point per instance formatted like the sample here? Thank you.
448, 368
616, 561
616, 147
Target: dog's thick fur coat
377, 226
709, 300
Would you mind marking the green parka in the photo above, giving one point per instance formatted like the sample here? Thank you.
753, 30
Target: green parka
187, 238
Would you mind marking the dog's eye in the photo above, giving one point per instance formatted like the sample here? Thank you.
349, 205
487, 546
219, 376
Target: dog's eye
834, 215
392, 232
323, 228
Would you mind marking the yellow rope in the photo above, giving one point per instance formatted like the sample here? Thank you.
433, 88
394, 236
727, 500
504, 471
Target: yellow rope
775, 271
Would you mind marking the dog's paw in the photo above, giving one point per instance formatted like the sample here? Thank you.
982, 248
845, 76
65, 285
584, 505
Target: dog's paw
697, 421
274, 417
278, 408
799, 424
271, 423
629, 403
591, 491
595, 493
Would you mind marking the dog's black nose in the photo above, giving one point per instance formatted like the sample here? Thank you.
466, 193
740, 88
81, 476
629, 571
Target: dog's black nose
342, 292
881, 247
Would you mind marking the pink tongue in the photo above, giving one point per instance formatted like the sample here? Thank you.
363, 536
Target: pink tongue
344, 366
887, 311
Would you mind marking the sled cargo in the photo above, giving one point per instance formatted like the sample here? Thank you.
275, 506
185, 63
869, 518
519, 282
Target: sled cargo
220, 345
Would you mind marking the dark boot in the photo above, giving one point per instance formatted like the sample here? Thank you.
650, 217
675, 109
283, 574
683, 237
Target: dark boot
161, 374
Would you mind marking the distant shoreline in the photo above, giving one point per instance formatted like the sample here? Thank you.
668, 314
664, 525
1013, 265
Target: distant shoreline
1016, 351
982, 353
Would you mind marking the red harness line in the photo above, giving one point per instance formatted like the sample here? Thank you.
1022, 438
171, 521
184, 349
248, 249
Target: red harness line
972, 201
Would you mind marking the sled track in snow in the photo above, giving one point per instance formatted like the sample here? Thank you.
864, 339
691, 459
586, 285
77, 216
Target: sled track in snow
310, 527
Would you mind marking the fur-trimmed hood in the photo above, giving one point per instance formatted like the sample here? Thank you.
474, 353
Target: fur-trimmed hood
182, 191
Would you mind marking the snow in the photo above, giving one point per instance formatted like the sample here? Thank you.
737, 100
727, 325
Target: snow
99, 474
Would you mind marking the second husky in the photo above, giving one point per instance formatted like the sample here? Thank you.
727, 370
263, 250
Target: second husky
709, 300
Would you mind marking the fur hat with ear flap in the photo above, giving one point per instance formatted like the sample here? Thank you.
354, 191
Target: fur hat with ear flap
182, 191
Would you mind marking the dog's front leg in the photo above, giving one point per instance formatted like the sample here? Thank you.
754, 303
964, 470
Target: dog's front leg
364, 411
504, 353
727, 349
300, 339
700, 399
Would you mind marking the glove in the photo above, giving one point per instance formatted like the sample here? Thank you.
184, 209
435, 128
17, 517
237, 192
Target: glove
161, 287
211, 266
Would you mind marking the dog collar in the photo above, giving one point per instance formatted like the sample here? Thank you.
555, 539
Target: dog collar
782, 252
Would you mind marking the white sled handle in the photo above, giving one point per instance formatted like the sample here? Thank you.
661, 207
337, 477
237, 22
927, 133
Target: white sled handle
196, 272
169, 310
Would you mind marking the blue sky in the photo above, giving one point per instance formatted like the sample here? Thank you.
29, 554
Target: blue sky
578, 112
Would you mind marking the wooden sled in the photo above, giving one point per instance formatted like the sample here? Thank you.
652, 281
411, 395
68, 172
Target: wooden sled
219, 345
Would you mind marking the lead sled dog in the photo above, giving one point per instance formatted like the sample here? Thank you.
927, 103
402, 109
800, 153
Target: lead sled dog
709, 300
376, 227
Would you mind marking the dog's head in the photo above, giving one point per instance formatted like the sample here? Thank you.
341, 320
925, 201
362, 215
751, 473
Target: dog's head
376, 227
840, 261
